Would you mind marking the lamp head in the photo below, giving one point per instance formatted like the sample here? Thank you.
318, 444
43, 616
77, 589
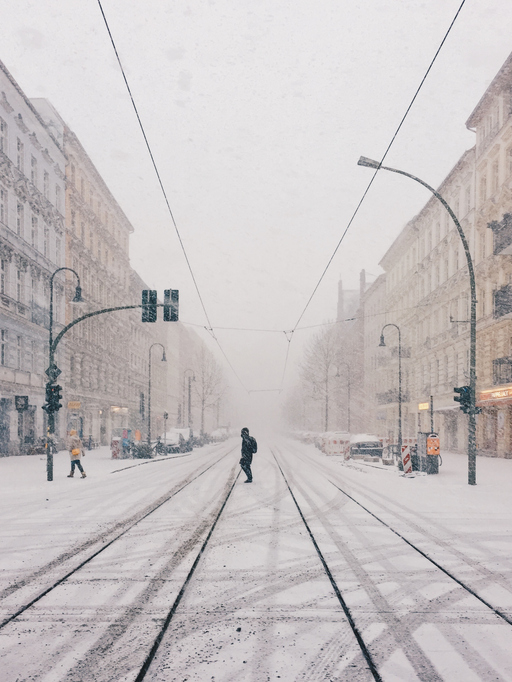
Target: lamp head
164, 358
78, 295
369, 163
382, 342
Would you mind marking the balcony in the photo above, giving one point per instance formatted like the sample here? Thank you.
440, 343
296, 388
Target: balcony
502, 371
502, 235
502, 301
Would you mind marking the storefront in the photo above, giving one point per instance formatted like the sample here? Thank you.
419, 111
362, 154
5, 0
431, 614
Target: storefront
494, 424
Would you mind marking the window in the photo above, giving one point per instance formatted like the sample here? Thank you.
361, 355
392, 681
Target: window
19, 286
73, 175
3, 206
482, 245
73, 219
33, 170
467, 199
19, 220
19, 352
3, 136
3, 276
483, 188
46, 243
20, 155
3, 346
509, 161
57, 252
58, 200
46, 184
82, 232
495, 176
35, 231
33, 357
82, 188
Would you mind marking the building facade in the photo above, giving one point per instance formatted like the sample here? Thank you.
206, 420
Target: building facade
32, 247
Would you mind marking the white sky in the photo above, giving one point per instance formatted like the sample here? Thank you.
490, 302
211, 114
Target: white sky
257, 113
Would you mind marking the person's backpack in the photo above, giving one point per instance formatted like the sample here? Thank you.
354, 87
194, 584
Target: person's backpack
254, 445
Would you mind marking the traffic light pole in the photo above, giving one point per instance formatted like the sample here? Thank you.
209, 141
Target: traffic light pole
53, 371
363, 161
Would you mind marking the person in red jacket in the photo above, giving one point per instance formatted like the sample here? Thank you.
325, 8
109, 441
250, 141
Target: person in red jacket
249, 447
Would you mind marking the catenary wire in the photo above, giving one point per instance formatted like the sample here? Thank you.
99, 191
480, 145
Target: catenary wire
182, 245
356, 211
210, 328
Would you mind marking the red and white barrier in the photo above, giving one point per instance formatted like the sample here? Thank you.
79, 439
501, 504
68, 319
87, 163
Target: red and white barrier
406, 459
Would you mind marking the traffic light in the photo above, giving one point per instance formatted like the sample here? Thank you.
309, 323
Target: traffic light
53, 398
464, 398
57, 397
149, 305
171, 305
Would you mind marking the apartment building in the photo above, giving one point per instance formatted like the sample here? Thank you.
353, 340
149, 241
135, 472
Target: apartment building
32, 247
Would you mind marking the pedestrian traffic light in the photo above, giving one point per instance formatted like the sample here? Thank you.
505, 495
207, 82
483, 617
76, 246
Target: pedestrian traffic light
464, 397
171, 305
149, 305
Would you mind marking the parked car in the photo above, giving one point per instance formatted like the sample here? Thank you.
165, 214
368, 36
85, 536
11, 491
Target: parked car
364, 446
177, 440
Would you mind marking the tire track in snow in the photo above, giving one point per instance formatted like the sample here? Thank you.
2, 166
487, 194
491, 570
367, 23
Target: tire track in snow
362, 645
117, 531
447, 546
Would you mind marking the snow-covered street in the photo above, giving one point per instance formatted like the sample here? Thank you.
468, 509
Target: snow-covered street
319, 570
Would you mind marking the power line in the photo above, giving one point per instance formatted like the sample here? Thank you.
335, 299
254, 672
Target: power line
382, 160
148, 146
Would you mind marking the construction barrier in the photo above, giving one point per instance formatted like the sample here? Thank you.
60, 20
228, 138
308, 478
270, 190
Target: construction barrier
406, 459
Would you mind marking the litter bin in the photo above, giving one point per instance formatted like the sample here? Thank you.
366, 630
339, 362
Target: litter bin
433, 452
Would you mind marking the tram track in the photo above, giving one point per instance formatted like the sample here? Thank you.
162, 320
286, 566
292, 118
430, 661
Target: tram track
106, 537
404, 515
400, 628
346, 610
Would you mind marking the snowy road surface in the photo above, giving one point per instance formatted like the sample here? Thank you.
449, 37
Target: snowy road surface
175, 570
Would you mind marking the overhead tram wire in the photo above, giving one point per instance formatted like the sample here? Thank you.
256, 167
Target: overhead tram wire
209, 328
356, 211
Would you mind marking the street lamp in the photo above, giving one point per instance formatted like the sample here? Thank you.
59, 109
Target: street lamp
370, 163
382, 344
191, 378
53, 371
164, 359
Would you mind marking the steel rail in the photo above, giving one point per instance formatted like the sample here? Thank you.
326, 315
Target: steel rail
83, 563
364, 649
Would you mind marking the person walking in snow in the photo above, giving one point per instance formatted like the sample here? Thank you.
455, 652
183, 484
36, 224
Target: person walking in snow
76, 452
249, 447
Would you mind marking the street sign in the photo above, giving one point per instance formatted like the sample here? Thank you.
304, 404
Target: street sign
74, 405
423, 406
53, 372
21, 402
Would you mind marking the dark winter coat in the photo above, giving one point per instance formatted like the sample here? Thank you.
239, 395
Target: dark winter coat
249, 447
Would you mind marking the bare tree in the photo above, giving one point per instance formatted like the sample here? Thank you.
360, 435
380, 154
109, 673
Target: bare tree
209, 384
319, 367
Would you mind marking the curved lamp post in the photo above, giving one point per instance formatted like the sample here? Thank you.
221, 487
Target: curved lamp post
363, 161
383, 344
164, 359
53, 371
